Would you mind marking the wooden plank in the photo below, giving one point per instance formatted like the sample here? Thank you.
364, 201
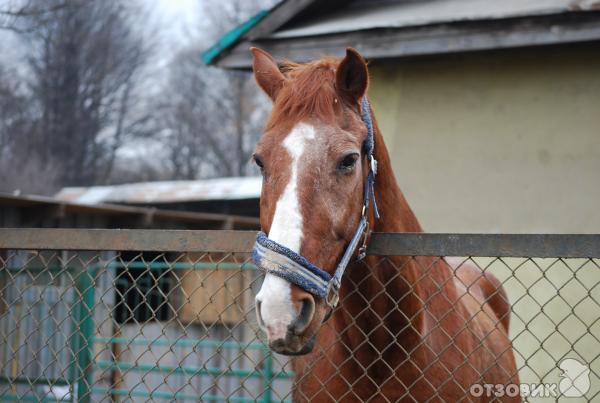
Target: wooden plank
213, 296
428, 40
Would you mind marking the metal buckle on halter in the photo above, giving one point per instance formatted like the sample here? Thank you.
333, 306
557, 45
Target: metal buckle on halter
333, 294
373, 163
362, 250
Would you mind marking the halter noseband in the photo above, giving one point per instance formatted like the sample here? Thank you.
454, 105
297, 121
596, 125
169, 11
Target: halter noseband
283, 262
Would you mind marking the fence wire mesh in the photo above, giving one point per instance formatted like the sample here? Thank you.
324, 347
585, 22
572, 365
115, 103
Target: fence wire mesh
100, 326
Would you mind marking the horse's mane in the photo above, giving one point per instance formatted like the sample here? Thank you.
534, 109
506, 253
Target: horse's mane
308, 93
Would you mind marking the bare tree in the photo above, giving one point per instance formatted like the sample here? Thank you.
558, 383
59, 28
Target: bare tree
87, 96
85, 63
21, 170
12, 12
12, 112
212, 117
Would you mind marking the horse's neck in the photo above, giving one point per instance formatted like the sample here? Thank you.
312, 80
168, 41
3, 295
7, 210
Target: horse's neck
389, 287
396, 214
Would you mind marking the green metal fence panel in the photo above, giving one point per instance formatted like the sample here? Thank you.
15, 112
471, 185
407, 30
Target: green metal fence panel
85, 368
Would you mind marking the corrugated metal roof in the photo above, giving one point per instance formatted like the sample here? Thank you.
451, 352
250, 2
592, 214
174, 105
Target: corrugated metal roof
166, 191
400, 14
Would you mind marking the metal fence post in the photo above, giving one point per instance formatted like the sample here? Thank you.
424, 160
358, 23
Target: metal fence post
84, 321
267, 375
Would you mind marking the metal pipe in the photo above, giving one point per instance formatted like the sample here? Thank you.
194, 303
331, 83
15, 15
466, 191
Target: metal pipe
267, 375
193, 371
180, 343
179, 396
85, 286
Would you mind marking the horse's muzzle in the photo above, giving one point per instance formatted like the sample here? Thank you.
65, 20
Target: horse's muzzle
292, 345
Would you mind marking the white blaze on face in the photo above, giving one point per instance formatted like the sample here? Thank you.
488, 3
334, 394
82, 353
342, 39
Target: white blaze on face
277, 310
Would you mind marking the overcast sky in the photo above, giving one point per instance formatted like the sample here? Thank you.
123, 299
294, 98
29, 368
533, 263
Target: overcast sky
179, 17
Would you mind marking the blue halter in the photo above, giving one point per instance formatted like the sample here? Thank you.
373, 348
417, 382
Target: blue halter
283, 262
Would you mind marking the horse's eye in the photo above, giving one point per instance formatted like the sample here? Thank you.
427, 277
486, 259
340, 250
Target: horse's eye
258, 162
348, 162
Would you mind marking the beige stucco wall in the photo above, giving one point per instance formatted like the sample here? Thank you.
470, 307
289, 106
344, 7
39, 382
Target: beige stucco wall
496, 142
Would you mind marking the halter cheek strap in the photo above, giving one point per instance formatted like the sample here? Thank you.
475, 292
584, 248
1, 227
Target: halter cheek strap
280, 261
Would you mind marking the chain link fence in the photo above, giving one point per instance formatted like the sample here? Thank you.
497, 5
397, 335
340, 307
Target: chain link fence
122, 316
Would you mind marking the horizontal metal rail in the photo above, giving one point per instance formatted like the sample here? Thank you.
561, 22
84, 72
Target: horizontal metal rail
126, 240
186, 370
31, 381
383, 244
143, 266
189, 343
178, 396
494, 245
11, 397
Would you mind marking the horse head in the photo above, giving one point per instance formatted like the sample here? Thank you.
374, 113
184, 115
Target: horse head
316, 163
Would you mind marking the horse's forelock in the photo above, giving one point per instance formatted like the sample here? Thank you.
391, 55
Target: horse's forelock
309, 93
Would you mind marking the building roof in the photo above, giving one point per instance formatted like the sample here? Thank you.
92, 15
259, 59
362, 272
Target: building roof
386, 28
403, 14
239, 188
39, 211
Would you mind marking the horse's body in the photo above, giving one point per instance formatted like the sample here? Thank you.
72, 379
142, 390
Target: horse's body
407, 329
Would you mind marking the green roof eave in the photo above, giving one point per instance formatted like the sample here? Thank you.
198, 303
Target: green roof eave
231, 38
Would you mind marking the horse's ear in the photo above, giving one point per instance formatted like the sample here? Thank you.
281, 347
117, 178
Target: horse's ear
266, 72
352, 76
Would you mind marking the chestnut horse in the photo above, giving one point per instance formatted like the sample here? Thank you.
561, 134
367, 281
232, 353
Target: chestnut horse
406, 329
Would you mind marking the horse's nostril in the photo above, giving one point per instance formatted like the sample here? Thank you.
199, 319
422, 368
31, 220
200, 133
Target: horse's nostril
307, 311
